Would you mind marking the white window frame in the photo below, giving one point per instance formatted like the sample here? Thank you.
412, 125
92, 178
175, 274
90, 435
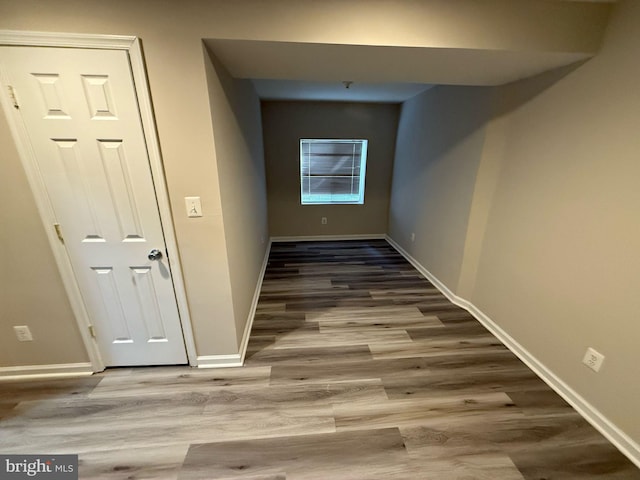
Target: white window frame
307, 143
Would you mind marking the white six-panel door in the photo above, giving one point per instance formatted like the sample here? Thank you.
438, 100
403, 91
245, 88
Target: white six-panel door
80, 110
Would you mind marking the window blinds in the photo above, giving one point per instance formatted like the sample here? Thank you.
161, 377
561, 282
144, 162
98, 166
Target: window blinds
332, 171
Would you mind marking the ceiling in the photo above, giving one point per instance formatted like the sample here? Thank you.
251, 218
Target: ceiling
337, 91
315, 71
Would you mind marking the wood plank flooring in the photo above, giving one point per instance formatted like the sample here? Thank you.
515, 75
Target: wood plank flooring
357, 368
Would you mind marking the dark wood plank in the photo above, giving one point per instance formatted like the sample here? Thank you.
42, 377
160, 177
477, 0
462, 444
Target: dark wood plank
347, 371
17, 391
595, 461
379, 453
259, 353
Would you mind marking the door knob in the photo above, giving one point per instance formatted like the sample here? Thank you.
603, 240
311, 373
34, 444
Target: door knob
154, 254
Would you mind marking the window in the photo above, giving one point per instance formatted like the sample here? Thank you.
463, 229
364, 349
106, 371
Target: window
332, 171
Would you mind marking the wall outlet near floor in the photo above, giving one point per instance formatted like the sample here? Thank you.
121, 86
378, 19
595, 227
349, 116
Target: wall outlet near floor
413, 237
593, 359
23, 333
323, 220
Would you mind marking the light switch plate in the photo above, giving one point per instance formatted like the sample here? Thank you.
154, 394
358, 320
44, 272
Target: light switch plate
194, 208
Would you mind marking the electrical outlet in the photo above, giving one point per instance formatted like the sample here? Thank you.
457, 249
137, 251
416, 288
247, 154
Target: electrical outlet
413, 237
323, 220
593, 359
23, 333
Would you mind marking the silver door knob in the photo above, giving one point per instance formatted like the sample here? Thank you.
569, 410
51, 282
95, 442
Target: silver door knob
154, 254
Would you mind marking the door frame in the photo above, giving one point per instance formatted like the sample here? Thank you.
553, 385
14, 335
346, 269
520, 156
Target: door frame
132, 46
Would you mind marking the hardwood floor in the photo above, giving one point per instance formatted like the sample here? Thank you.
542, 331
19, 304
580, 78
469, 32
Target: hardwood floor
357, 368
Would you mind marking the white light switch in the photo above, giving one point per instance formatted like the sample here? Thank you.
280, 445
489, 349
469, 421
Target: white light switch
194, 208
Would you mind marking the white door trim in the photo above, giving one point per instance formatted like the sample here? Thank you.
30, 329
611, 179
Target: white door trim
132, 46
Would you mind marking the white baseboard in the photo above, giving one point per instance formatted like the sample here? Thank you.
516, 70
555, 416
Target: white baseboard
320, 238
33, 372
254, 305
612, 432
220, 361
237, 359
438, 284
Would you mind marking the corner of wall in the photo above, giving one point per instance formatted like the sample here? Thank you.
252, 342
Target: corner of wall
486, 182
237, 129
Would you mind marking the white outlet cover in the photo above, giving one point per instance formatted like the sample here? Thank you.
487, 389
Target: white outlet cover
23, 333
593, 359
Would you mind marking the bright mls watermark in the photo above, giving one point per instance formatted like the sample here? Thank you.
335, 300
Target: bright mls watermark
52, 467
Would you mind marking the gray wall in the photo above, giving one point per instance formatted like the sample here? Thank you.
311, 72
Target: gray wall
235, 116
563, 234
550, 246
285, 123
439, 147
31, 290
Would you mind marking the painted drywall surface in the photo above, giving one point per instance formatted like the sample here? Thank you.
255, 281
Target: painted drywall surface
492, 24
285, 123
235, 110
560, 269
488, 173
172, 34
31, 290
439, 147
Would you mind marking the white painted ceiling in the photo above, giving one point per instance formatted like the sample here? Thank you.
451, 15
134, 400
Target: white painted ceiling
337, 91
296, 71
383, 64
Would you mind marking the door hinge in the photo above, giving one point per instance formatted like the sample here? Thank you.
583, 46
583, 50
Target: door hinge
92, 331
58, 232
13, 96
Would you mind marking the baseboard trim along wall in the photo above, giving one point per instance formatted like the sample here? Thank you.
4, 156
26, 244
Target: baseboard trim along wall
220, 361
614, 434
237, 359
327, 238
32, 372
254, 305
